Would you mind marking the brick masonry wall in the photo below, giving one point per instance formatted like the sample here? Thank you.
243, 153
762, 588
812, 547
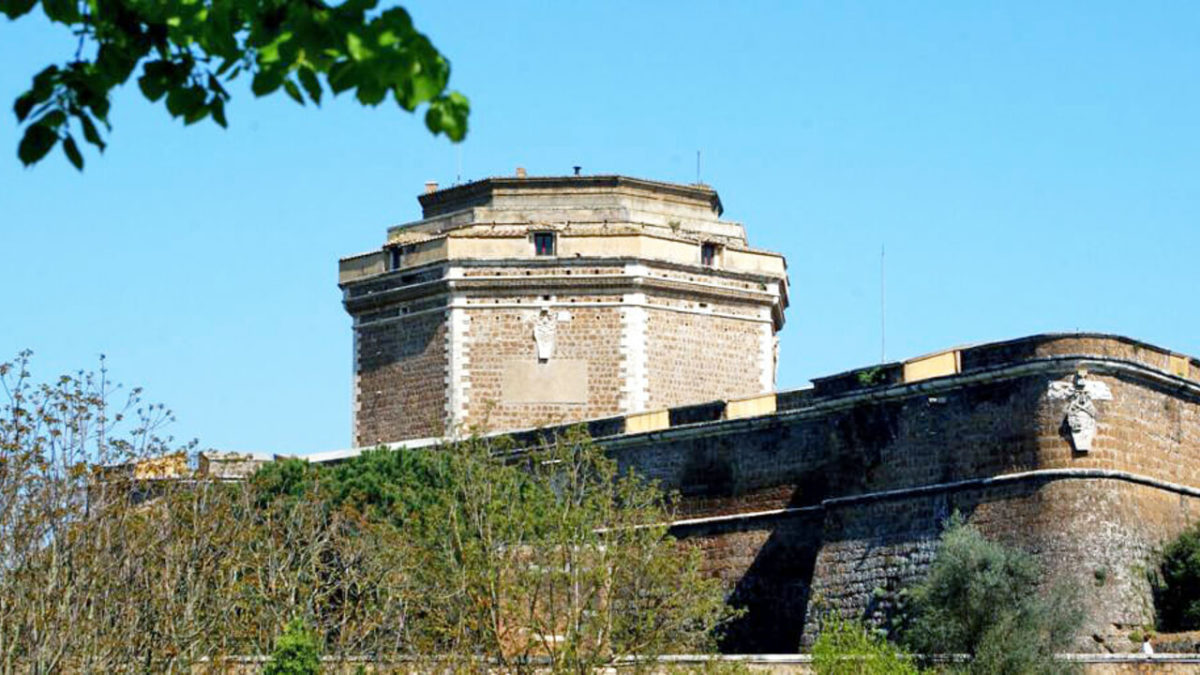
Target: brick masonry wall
1100, 533
961, 432
700, 357
497, 337
400, 388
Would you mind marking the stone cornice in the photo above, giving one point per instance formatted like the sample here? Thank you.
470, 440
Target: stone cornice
480, 192
1039, 475
507, 285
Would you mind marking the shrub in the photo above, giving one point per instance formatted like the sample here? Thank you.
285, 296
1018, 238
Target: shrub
981, 598
295, 652
848, 647
1178, 588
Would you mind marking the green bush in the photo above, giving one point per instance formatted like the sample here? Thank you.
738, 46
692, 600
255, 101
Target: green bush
848, 647
288, 479
295, 652
983, 599
1178, 589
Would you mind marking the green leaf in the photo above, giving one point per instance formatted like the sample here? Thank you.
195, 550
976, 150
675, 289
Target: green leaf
187, 102
90, 133
37, 141
115, 62
217, 106
72, 152
370, 92
43, 83
293, 91
152, 87
448, 115
16, 8
23, 105
214, 85
265, 82
342, 76
311, 84
54, 120
62, 11
357, 49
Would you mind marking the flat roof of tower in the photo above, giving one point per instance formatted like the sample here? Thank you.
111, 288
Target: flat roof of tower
478, 193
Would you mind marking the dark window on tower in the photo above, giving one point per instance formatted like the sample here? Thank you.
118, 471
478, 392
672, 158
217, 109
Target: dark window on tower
543, 243
708, 254
397, 258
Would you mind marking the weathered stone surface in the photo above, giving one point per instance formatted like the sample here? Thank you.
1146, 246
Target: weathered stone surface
855, 485
457, 312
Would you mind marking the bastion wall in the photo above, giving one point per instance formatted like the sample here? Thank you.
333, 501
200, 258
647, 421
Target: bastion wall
834, 500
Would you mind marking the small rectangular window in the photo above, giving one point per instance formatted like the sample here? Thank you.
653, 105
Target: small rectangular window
396, 258
708, 254
543, 243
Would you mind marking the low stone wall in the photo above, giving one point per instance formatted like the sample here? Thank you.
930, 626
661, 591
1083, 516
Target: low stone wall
1092, 664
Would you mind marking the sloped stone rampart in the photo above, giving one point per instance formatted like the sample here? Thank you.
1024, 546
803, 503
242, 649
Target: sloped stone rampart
854, 486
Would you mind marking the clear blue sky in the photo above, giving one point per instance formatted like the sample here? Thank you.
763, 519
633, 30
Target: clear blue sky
1030, 166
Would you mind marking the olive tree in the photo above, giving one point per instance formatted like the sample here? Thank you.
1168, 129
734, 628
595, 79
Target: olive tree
990, 602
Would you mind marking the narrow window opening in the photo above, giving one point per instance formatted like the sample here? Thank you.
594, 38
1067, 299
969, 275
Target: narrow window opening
543, 243
397, 258
708, 254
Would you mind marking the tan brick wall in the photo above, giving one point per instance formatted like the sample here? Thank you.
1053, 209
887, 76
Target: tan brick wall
701, 357
400, 387
499, 336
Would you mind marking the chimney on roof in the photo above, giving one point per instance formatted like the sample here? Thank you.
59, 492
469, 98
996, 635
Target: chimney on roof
520, 172
430, 187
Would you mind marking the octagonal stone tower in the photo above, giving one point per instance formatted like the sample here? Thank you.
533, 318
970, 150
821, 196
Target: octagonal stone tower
519, 302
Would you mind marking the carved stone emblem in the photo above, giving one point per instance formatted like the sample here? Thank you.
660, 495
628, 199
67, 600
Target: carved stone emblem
545, 327
1079, 420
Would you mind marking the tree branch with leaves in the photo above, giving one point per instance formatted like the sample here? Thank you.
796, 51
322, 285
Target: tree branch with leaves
183, 52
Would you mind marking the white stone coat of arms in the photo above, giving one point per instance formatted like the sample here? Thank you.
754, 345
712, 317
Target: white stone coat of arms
1080, 393
545, 328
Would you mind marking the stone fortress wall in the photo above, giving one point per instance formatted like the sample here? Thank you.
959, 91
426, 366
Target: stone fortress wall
833, 497
654, 322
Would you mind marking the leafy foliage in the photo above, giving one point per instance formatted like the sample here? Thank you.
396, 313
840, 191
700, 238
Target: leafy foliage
392, 484
465, 552
849, 647
295, 652
981, 598
187, 49
287, 478
552, 554
1177, 596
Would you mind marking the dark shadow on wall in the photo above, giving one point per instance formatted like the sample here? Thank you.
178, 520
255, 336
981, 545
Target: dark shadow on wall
773, 592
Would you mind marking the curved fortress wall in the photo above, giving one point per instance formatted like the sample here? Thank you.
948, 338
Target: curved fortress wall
835, 500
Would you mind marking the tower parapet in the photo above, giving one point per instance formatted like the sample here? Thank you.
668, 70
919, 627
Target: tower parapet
519, 302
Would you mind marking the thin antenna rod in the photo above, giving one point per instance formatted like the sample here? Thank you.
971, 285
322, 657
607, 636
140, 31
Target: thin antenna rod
882, 307
697, 167
458, 174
